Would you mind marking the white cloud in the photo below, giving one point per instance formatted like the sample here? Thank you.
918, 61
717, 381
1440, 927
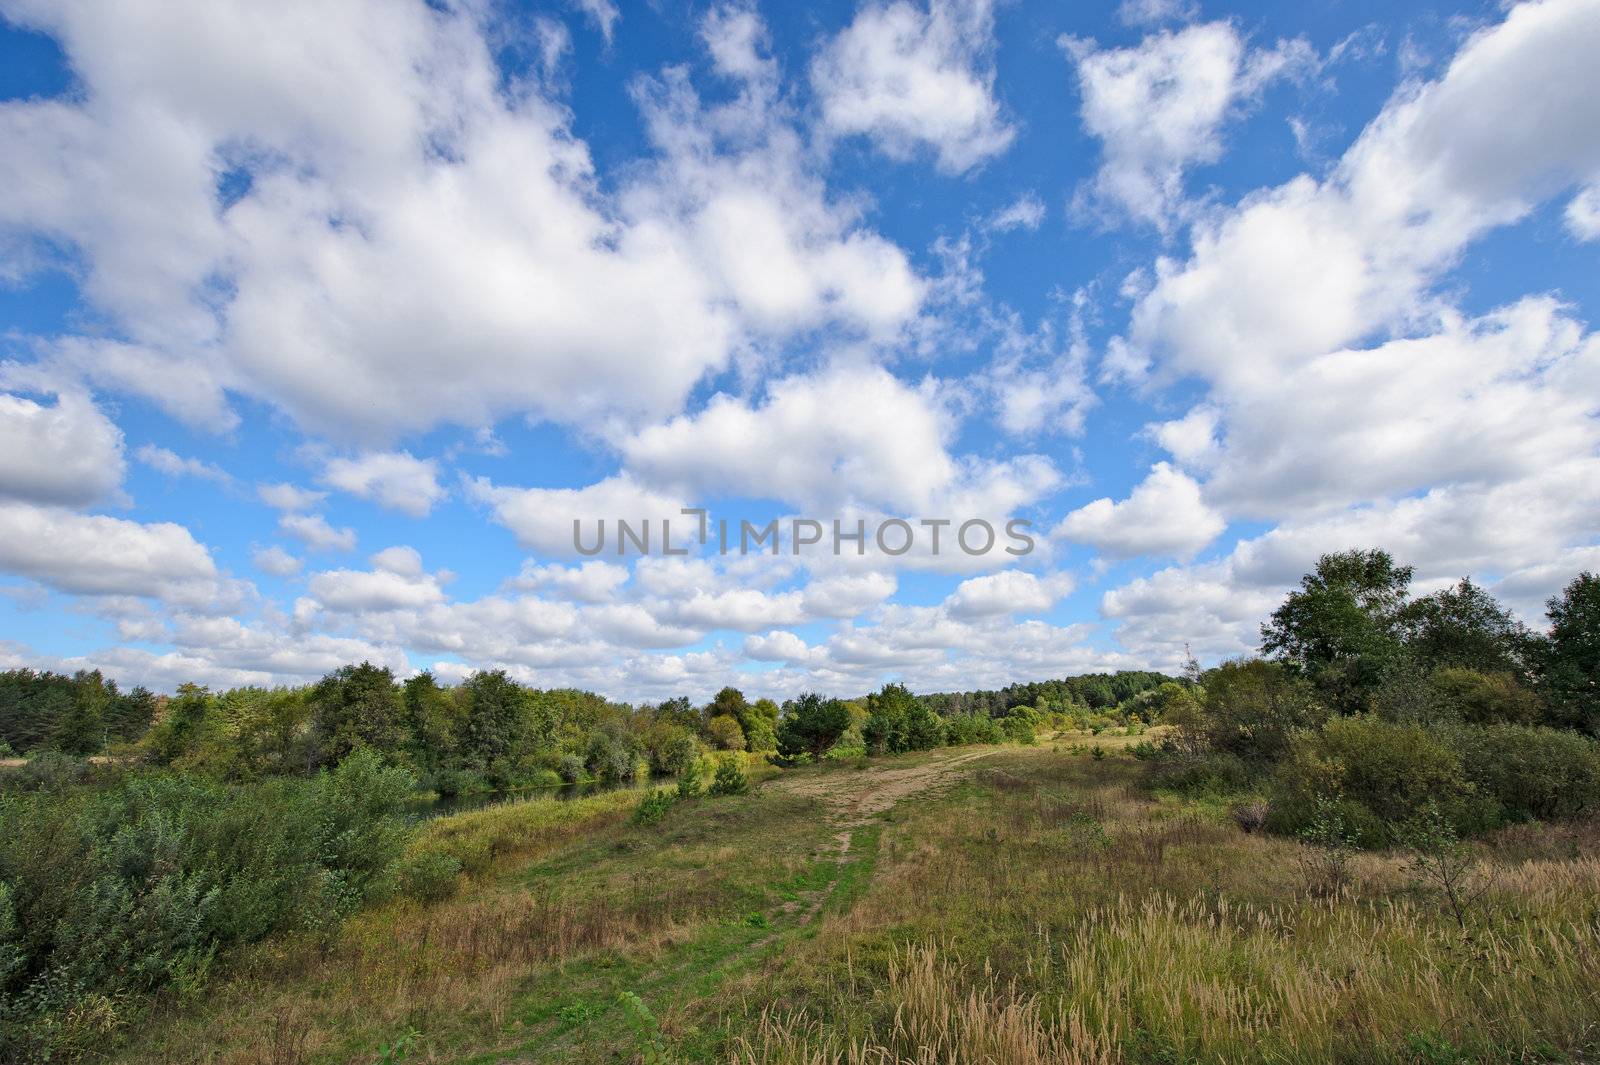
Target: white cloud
604, 15
395, 582
1159, 107
98, 555
1025, 212
543, 518
910, 78
1147, 12
288, 497
1164, 515
276, 561
1583, 214
1510, 121
589, 582
65, 452
172, 464
1007, 592
416, 242
314, 531
393, 479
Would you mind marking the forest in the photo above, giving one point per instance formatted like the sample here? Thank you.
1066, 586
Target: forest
1418, 770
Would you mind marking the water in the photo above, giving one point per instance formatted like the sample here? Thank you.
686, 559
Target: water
425, 809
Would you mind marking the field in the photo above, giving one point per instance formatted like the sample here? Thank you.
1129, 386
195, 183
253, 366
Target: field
1003, 905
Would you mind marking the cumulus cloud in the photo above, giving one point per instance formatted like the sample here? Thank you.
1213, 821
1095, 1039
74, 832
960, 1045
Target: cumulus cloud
1164, 515
170, 463
1007, 592
544, 519
288, 497
276, 561
915, 78
393, 479
99, 555
64, 452
1158, 108
314, 531
404, 241
395, 582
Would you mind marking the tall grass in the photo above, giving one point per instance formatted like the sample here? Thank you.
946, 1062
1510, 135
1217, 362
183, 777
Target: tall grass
1050, 913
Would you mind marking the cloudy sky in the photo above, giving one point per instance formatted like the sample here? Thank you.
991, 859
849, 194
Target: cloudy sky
321, 321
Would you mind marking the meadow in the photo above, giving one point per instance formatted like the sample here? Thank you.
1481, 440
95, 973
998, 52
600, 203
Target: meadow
1007, 905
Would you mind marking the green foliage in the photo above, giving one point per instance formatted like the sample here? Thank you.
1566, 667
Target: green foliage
430, 876
1523, 773
1569, 661
963, 729
653, 807
1022, 725
1463, 627
1342, 628
1380, 773
730, 779
760, 724
352, 708
725, 733
137, 886
79, 714
1253, 708
897, 721
1485, 698
669, 747
811, 725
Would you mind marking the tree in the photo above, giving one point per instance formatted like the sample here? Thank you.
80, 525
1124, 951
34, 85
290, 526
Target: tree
433, 720
1569, 660
1464, 627
1254, 707
811, 725
354, 707
724, 733
1342, 628
496, 724
760, 725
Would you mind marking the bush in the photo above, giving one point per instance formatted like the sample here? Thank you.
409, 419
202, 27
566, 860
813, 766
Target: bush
1196, 774
136, 887
1486, 698
430, 876
1379, 773
962, 729
653, 807
572, 769
1253, 709
1524, 773
730, 779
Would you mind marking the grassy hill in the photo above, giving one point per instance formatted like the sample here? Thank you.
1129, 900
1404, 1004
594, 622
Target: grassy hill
1005, 905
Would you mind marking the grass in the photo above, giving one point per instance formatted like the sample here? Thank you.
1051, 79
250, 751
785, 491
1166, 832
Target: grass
1043, 909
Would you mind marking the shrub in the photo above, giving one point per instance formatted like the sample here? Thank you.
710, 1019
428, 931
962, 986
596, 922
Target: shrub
1253, 708
963, 729
725, 733
571, 768
1201, 774
430, 876
1524, 773
730, 779
689, 783
1378, 772
1485, 698
653, 807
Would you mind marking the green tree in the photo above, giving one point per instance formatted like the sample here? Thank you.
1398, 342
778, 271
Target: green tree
1464, 627
433, 721
760, 725
1254, 707
496, 725
725, 734
1569, 660
354, 707
1342, 628
811, 725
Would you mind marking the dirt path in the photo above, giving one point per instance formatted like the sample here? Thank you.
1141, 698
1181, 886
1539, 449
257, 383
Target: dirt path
854, 799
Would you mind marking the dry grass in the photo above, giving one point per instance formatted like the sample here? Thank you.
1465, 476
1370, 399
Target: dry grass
1052, 913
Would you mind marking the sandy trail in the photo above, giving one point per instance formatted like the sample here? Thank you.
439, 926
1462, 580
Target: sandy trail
854, 799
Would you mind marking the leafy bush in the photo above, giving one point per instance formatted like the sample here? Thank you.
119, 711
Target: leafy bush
430, 876
1523, 773
962, 729
730, 779
1378, 772
138, 886
1485, 698
1198, 774
571, 768
1253, 708
653, 807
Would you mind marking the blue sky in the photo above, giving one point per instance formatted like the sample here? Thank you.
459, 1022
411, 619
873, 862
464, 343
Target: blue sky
321, 324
